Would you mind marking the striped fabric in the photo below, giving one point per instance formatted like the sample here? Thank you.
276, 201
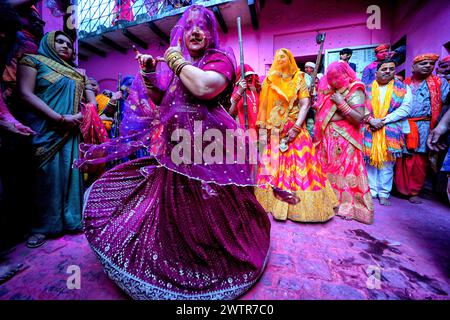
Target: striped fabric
296, 170
394, 136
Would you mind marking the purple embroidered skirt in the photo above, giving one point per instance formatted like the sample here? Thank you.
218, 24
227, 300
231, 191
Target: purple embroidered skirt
161, 235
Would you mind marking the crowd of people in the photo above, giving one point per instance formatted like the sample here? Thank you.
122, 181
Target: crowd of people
102, 162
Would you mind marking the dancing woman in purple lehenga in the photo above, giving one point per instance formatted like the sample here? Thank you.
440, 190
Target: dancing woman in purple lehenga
169, 230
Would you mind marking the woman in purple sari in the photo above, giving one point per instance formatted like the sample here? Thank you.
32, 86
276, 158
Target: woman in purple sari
182, 223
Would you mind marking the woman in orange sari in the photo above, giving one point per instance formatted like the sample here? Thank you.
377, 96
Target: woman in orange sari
338, 137
293, 185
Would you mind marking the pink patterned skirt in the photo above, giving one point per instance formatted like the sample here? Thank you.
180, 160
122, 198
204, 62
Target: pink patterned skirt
344, 165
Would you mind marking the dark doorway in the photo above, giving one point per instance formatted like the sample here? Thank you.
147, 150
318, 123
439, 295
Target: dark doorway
312, 58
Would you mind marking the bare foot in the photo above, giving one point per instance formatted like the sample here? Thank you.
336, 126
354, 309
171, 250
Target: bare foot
384, 201
415, 200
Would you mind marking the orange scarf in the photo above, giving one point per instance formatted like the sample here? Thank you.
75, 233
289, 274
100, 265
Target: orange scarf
434, 87
279, 92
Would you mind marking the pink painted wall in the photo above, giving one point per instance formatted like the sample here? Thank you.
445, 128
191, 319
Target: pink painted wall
106, 70
51, 23
295, 27
426, 25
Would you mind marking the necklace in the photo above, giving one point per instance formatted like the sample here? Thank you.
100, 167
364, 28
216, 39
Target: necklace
282, 75
253, 101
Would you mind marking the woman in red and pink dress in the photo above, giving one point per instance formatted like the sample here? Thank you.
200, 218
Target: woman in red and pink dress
338, 136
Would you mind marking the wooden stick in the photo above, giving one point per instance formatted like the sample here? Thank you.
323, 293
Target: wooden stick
241, 49
320, 39
116, 115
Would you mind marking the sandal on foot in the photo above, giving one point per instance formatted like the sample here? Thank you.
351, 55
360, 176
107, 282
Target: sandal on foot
286, 196
36, 240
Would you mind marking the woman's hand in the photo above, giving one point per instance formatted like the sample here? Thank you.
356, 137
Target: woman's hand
104, 117
337, 98
376, 124
435, 136
115, 97
16, 127
22, 129
242, 86
146, 61
71, 121
291, 135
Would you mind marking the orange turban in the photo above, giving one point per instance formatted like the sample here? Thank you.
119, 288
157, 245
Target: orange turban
382, 47
426, 56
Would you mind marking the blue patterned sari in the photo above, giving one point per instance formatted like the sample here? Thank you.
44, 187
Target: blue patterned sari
57, 187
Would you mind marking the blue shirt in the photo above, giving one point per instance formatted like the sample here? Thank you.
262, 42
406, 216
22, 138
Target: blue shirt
421, 107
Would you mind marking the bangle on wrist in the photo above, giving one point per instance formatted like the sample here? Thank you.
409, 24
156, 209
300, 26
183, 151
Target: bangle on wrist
176, 62
296, 128
344, 108
172, 55
346, 111
236, 96
145, 73
342, 105
149, 79
181, 66
148, 84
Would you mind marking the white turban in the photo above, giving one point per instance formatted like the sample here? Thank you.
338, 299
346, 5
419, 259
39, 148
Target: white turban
310, 64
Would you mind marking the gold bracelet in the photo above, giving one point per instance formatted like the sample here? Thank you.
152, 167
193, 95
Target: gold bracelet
178, 64
171, 63
172, 58
181, 66
171, 55
146, 74
148, 84
174, 62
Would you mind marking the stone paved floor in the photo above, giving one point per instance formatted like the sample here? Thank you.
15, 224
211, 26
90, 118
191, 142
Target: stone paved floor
408, 245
